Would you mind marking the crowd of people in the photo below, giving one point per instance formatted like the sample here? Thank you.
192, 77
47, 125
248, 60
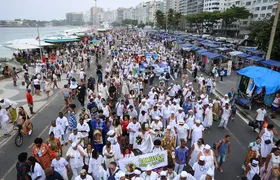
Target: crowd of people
142, 101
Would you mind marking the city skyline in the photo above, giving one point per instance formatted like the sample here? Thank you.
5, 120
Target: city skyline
32, 9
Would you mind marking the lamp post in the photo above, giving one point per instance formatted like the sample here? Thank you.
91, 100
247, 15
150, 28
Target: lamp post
273, 30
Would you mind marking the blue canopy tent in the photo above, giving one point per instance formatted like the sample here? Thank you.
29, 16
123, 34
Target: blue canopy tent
271, 63
211, 55
243, 55
255, 58
254, 51
263, 78
200, 51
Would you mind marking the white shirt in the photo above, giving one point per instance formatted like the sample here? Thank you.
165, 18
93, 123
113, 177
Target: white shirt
157, 126
83, 127
57, 131
88, 177
166, 112
189, 177
75, 138
260, 114
94, 164
120, 109
226, 113
132, 113
59, 165
4, 116
38, 171
62, 122
36, 81
134, 127
76, 160
153, 176
82, 74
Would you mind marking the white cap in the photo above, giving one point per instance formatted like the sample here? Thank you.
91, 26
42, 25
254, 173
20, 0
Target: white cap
163, 173
184, 174
210, 172
168, 127
149, 168
255, 162
197, 121
207, 147
180, 108
111, 133
137, 172
143, 100
181, 121
226, 95
74, 144
202, 158
202, 96
99, 94
157, 118
172, 112
210, 105
159, 100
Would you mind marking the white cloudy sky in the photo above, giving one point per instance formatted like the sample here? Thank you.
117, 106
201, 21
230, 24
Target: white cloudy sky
54, 9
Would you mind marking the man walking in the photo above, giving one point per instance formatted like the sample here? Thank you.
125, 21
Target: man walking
261, 112
29, 99
15, 76
82, 93
225, 116
221, 147
181, 154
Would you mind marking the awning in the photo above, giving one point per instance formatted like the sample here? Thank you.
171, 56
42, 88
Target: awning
212, 55
21, 46
256, 58
61, 40
234, 53
271, 63
201, 51
223, 48
243, 55
254, 51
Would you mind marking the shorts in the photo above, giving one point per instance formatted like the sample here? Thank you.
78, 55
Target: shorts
273, 108
30, 105
221, 158
37, 87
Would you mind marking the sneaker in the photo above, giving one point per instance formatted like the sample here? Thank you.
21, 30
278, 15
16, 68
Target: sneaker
221, 169
29, 132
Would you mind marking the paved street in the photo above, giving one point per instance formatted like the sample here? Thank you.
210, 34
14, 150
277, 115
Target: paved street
241, 135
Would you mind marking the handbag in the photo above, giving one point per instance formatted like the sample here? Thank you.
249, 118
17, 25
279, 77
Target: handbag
267, 141
275, 172
256, 177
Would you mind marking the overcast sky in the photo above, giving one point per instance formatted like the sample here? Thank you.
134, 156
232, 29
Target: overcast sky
54, 9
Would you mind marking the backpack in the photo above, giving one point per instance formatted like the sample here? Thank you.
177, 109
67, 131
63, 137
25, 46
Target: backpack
66, 94
215, 144
167, 76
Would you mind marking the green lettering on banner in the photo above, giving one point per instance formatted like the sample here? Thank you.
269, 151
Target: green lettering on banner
152, 160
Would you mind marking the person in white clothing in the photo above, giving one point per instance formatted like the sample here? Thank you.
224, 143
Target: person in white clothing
156, 125
199, 168
60, 165
208, 117
184, 176
4, 119
75, 137
57, 131
252, 169
82, 75
36, 170
143, 117
197, 131
261, 112
62, 122
149, 174
76, 153
83, 128
181, 131
224, 100
83, 176
132, 128
225, 116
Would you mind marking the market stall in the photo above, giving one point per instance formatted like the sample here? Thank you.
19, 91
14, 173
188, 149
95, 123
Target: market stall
272, 64
209, 59
259, 84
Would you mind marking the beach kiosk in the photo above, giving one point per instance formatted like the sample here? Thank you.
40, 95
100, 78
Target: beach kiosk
209, 59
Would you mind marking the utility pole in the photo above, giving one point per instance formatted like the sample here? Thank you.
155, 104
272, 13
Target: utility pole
166, 21
39, 42
273, 30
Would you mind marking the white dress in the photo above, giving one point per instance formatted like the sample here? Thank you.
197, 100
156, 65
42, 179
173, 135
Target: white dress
196, 133
266, 148
209, 160
172, 123
190, 120
208, 119
182, 132
125, 90
195, 153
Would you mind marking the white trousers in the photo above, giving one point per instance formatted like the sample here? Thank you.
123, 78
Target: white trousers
223, 122
179, 168
76, 171
5, 127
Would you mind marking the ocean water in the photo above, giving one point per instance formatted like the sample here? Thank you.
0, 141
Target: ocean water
10, 34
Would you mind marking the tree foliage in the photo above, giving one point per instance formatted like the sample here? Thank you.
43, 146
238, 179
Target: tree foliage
141, 25
160, 20
130, 22
260, 32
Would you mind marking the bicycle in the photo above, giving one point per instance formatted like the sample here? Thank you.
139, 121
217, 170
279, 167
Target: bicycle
19, 136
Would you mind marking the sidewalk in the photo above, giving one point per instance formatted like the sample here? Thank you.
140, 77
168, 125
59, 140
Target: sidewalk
17, 95
232, 81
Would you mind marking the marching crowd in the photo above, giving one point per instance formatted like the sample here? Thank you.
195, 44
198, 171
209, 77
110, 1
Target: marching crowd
142, 101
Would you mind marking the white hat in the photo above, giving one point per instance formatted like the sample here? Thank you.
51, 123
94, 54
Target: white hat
137, 172
74, 144
210, 172
99, 94
184, 174
1, 99
180, 108
159, 100
157, 118
202, 158
181, 121
190, 110
190, 83
172, 112
197, 121
146, 125
255, 162
207, 147
168, 127
143, 100
163, 173
210, 105
226, 95
111, 133
202, 96
149, 168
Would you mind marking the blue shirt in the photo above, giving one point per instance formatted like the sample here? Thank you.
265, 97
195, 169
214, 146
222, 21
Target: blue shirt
181, 155
223, 148
187, 106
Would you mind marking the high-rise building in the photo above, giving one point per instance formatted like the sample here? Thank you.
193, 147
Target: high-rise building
95, 15
75, 19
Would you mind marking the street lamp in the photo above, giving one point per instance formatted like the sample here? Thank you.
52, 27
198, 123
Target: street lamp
39, 41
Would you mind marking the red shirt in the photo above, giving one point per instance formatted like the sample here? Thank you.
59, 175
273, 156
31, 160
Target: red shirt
124, 126
29, 98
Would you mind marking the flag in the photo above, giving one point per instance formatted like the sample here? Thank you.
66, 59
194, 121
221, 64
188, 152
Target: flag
37, 38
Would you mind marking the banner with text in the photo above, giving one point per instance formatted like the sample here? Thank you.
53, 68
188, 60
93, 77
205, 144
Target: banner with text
155, 160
